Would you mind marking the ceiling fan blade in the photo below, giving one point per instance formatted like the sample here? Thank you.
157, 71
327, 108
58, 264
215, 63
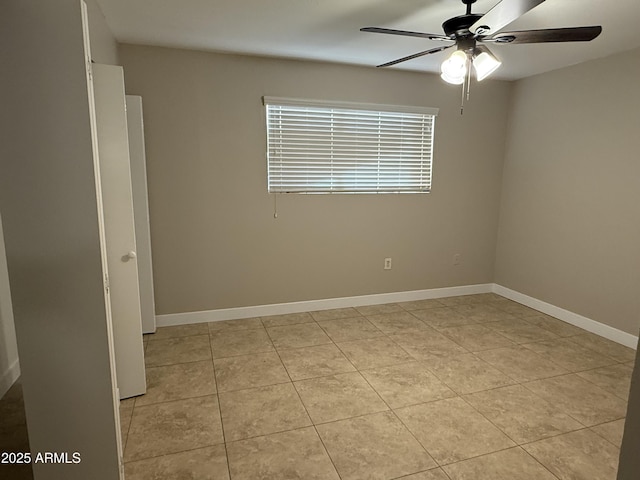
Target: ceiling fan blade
502, 15
430, 36
576, 34
415, 55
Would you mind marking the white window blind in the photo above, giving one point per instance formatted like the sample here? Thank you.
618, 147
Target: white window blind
320, 147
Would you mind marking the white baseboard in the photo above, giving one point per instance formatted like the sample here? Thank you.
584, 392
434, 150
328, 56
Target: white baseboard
9, 377
312, 305
585, 323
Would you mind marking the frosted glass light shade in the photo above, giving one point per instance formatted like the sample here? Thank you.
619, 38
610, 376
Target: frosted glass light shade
452, 80
454, 68
485, 64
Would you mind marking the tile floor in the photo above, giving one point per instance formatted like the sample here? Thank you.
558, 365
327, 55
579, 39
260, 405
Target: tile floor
464, 388
13, 433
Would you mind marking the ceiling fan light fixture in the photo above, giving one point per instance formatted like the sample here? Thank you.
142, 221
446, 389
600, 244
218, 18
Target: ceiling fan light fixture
471, 30
485, 64
452, 80
454, 68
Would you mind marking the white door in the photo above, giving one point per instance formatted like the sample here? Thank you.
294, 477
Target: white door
103, 243
138, 159
115, 174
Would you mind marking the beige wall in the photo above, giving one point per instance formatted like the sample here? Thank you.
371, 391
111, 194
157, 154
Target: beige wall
570, 213
104, 48
50, 221
215, 241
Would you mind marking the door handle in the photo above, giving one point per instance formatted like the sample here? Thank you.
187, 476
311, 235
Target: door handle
129, 256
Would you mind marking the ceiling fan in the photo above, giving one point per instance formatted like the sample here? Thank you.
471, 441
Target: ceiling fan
471, 31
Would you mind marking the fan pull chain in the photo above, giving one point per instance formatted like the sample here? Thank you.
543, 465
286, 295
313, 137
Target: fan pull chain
468, 77
466, 86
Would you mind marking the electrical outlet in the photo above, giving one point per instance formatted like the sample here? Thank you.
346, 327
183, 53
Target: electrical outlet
387, 263
457, 258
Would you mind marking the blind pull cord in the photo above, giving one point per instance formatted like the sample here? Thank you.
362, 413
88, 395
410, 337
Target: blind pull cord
275, 205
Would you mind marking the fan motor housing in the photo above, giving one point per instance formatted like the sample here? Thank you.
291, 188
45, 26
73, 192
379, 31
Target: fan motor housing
459, 26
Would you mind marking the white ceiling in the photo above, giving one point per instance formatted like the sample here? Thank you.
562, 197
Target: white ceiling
328, 30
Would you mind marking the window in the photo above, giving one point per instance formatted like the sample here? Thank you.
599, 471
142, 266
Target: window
322, 147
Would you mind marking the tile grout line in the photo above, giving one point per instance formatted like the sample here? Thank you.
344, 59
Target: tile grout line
310, 419
525, 381
519, 447
542, 400
566, 413
602, 436
433, 372
540, 463
490, 421
393, 412
164, 402
585, 428
515, 444
524, 345
258, 386
175, 453
215, 382
605, 389
481, 455
322, 424
581, 429
524, 384
126, 436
